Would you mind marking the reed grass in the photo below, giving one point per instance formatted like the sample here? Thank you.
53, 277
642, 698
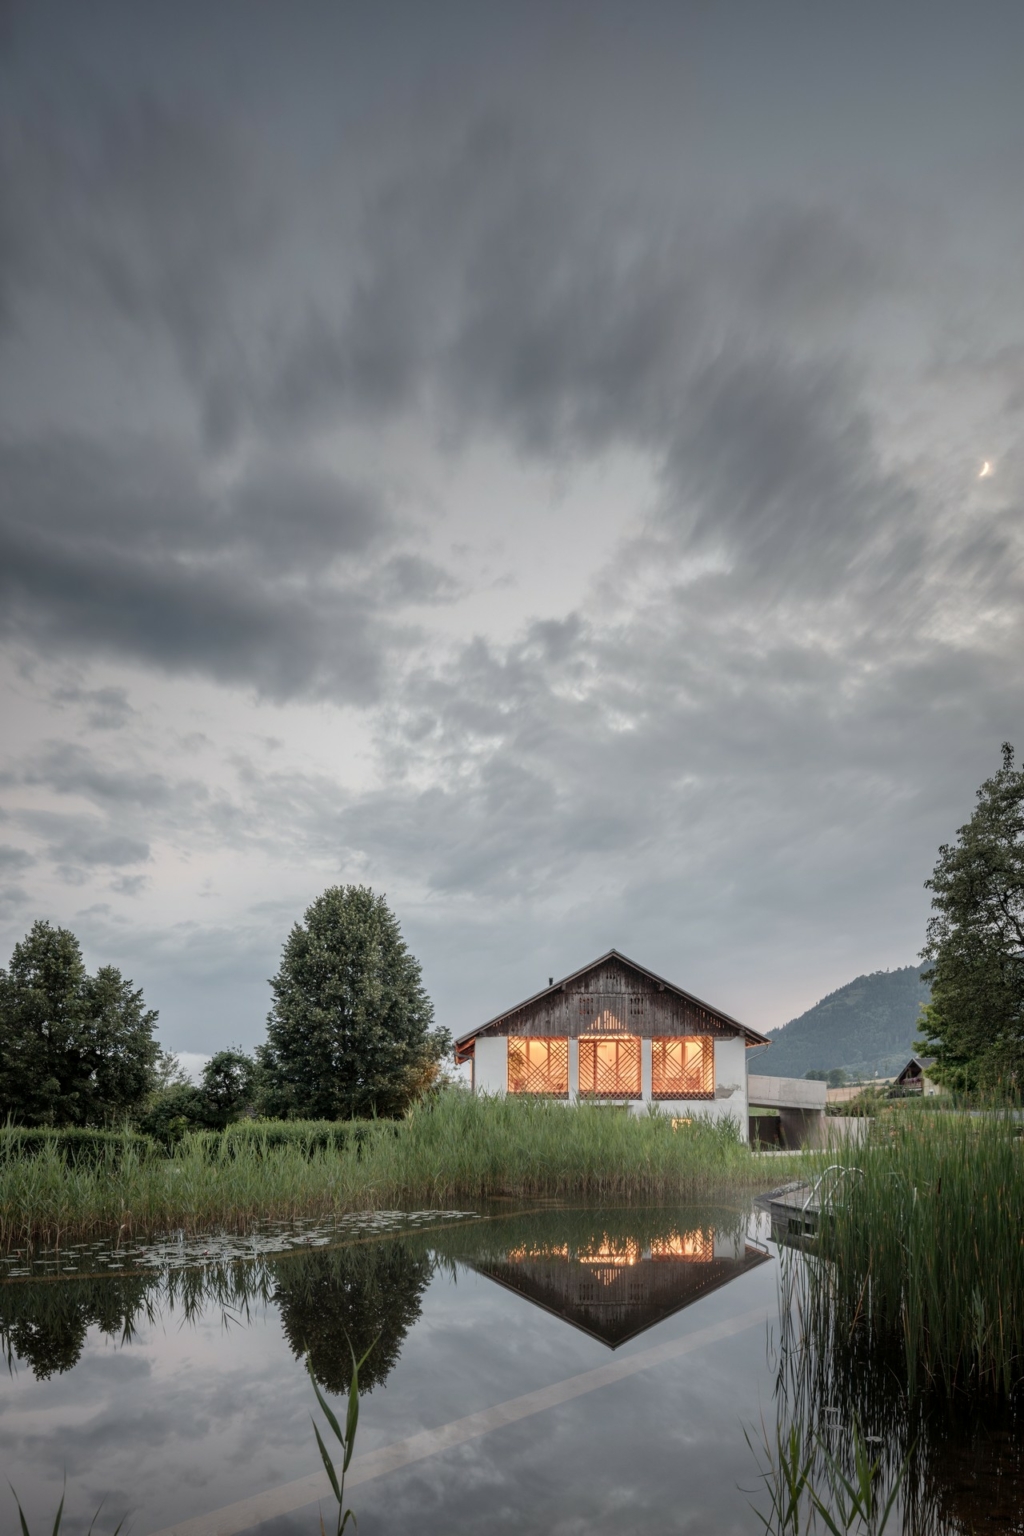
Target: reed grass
456, 1148
922, 1253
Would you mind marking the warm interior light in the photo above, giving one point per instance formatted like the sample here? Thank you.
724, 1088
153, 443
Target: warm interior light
544, 1251
610, 1067
538, 1064
695, 1247
682, 1067
608, 1253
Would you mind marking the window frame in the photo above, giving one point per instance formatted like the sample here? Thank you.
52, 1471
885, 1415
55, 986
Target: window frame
550, 1041
679, 1089
634, 1042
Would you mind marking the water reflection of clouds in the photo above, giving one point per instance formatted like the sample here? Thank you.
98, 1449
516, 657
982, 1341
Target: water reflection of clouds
187, 1419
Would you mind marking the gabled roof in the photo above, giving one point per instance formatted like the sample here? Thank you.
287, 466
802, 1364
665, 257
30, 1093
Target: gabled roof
751, 1035
923, 1062
618, 1322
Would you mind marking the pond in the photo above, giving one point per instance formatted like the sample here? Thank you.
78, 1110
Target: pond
553, 1370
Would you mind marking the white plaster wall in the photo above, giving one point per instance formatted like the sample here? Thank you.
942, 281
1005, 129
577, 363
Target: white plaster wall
490, 1056
574, 1070
646, 1070
731, 1081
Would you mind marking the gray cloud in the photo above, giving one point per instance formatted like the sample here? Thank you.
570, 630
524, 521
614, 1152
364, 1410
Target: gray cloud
106, 709
14, 901
77, 842
275, 583
729, 732
150, 213
14, 858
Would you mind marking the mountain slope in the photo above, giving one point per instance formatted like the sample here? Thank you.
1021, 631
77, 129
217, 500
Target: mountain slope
868, 1026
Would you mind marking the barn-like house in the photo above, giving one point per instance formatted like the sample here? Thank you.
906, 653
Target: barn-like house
617, 1033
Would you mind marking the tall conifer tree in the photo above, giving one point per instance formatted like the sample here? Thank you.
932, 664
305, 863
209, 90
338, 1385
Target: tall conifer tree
349, 1032
975, 1022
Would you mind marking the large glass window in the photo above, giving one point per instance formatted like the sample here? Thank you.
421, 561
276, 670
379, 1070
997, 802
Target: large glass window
683, 1067
538, 1064
610, 1068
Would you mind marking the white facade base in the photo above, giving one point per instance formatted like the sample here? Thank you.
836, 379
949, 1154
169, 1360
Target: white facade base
490, 1075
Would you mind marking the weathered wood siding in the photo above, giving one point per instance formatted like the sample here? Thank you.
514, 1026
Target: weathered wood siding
610, 999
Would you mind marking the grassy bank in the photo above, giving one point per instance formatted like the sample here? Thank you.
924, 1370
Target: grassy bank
457, 1149
926, 1251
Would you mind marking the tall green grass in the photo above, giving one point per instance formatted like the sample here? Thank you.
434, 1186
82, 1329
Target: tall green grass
922, 1253
457, 1148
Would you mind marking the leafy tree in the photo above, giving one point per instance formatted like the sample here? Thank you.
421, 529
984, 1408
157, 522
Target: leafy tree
974, 1025
349, 1032
224, 1093
334, 1303
228, 1088
74, 1049
170, 1112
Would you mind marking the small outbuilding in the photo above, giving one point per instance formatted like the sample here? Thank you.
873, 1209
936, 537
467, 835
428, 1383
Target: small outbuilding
617, 1033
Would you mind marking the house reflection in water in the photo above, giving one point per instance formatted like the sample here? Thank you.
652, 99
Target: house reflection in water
616, 1287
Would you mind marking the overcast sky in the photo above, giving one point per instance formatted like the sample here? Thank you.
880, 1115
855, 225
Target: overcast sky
558, 464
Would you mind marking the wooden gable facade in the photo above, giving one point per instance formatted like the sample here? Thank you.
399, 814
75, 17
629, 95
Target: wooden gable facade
612, 995
616, 1032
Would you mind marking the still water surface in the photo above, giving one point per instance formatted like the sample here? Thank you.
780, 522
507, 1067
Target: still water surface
170, 1382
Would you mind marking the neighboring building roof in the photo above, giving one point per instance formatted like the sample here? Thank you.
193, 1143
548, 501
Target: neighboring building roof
751, 1035
922, 1063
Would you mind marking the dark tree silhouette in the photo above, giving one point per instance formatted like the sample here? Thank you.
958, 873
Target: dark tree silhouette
362, 1295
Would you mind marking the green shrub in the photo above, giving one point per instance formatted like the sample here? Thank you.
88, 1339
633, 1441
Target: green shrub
455, 1148
260, 1136
72, 1143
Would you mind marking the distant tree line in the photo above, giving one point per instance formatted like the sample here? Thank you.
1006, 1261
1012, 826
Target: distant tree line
350, 1033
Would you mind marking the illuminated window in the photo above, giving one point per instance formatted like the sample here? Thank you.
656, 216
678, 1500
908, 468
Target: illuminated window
610, 1068
611, 1251
683, 1067
696, 1247
538, 1064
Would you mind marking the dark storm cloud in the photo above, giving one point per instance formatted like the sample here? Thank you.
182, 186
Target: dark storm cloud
276, 582
493, 290
148, 215
706, 262
774, 458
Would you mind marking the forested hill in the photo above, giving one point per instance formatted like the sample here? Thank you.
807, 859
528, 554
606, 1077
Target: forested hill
867, 1026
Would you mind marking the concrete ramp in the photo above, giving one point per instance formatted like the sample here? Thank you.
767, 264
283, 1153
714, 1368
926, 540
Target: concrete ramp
796, 1104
